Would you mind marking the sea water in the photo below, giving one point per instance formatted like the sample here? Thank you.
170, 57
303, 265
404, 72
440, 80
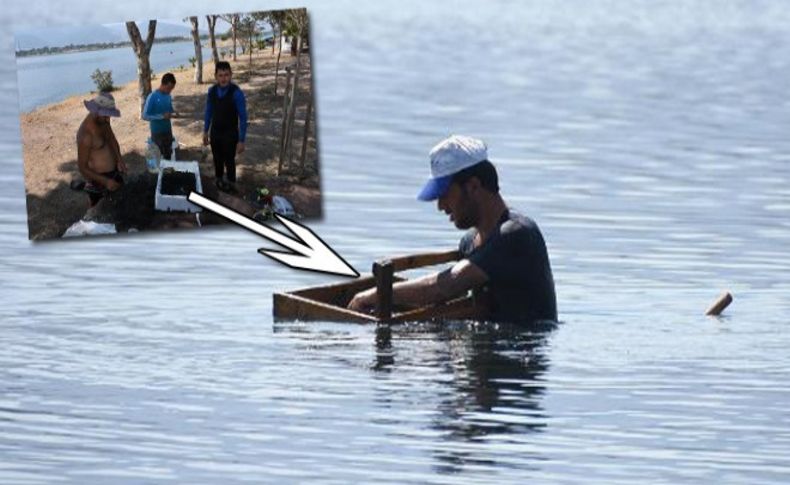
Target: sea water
649, 142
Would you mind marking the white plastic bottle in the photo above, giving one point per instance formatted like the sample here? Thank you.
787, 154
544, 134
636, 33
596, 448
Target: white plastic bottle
152, 156
173, 148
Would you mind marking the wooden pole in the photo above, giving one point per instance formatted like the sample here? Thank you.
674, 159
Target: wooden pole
277, 65
306, 135
720, 304
384, 273
285, 120
292, 102
287, 85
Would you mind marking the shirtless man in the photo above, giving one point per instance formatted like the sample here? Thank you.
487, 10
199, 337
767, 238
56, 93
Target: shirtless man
98, 152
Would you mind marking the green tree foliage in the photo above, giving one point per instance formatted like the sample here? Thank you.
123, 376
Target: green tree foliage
103, 80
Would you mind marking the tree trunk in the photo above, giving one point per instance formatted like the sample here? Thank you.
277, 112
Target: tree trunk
250, 47
198, 51
234, 25
212, 22
294, 42
292, 103
277, 64
306, 135
274, 31
285, 121
143, 50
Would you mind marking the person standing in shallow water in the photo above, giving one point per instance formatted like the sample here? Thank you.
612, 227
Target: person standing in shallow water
158, 111
98, 153
505, 261
225, 125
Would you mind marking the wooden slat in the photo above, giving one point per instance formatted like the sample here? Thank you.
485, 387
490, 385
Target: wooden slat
338, 294
294, 307
461, 308
402, 263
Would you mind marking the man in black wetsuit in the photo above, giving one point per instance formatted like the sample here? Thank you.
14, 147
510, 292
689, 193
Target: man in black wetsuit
505, 259
225, 125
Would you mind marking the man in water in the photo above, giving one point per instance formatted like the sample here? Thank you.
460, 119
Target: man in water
98, 153
159, 111
505, 261
225, 125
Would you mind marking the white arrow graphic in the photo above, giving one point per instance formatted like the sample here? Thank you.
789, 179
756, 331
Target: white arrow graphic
308, 253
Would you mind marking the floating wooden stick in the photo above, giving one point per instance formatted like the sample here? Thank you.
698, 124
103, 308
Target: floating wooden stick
720, 304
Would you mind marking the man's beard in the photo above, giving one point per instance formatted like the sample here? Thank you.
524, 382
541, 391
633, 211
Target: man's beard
466, 217
464, 223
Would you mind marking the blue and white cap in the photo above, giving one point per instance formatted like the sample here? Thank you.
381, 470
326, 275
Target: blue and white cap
449, 157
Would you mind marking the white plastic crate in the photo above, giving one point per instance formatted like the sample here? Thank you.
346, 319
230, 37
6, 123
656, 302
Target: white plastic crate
177, 202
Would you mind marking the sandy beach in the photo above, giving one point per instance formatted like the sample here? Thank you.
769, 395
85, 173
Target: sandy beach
50, 150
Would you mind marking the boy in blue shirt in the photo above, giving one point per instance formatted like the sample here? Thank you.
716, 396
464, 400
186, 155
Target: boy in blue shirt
225, 125
158, 111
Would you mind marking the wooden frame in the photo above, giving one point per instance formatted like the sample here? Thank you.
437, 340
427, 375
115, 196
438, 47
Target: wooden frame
328, 303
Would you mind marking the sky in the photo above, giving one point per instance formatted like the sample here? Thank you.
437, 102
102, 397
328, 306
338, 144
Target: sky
34, 38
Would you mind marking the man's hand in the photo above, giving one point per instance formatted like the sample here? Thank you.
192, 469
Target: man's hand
112, 185
239, 148
121, 166
167, 116
364, 301
205, 139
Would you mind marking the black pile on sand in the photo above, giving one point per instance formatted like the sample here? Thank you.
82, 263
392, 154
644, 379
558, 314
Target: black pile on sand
131, 206
178, 183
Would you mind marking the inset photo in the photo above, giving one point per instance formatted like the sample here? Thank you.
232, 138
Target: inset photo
121, 121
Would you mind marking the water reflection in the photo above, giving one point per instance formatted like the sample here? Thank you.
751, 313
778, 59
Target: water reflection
494, 373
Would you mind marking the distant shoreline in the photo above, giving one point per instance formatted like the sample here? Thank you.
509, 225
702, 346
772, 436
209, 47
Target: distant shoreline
45, 51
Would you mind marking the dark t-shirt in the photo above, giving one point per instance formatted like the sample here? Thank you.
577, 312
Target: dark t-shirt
520, 286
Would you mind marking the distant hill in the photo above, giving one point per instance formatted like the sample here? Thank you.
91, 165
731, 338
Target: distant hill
95, 34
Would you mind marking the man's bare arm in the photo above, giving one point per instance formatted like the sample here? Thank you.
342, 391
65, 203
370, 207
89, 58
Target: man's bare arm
115, 147
438, 287
432, 288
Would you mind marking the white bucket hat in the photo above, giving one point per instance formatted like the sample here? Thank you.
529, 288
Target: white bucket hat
103, 105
